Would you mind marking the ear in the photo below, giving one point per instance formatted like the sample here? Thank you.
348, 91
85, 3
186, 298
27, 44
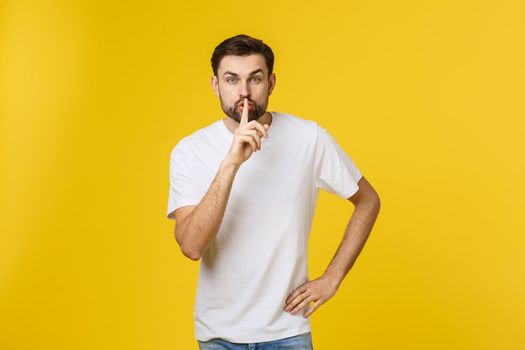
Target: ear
215, 85
271, 84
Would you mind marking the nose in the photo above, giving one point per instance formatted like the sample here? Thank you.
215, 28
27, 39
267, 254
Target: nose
244, 91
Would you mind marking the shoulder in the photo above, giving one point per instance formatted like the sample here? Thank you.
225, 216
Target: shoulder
196, 138
299, 125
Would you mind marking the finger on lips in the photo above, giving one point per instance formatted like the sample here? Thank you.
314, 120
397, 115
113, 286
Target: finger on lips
244, 116
254, 130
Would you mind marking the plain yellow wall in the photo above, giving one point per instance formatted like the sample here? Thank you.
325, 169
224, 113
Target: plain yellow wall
427, 97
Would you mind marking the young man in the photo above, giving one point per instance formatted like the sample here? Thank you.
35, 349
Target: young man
243, 192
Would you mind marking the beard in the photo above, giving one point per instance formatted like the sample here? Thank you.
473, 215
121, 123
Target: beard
235, 113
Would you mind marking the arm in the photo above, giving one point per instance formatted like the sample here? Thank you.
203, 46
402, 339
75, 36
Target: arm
197, 225
367, 206
319, 290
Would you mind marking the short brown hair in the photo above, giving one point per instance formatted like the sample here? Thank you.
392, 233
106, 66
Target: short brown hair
242, 45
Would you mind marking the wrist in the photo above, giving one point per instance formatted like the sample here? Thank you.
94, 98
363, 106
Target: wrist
334, 277
229, 165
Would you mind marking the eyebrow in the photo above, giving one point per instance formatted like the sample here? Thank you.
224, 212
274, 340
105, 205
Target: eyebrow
252, 73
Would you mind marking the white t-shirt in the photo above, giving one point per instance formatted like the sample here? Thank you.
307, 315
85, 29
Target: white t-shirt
259, 255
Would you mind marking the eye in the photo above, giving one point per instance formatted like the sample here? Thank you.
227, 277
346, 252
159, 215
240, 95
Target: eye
230, 79
257, 79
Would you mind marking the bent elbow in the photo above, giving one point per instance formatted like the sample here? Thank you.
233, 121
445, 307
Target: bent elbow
186, 251
377, 202
191, 255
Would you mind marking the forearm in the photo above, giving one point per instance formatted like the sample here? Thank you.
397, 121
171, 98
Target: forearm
201, 226
356, 234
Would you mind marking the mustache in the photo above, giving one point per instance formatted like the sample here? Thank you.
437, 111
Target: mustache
241, 102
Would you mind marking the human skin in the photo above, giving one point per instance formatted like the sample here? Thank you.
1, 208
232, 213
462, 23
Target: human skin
320, 290
197, 225
239, 77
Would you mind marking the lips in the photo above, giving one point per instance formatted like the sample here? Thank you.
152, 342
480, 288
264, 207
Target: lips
250, 106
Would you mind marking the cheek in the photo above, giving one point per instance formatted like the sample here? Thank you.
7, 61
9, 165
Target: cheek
260, 92
228, 97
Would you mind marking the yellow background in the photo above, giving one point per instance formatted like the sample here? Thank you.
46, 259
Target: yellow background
427, 97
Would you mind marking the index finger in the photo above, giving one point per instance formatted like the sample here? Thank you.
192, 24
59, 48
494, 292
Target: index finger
244, 116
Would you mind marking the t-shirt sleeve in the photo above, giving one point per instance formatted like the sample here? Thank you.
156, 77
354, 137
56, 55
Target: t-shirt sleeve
184, 188
334, 170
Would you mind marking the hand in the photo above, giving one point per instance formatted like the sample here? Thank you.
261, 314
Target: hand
246, 138
318, 290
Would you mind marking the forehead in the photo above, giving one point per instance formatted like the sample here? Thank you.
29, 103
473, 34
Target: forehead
242, 65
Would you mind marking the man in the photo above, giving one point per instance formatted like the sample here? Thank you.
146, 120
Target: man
243, 192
